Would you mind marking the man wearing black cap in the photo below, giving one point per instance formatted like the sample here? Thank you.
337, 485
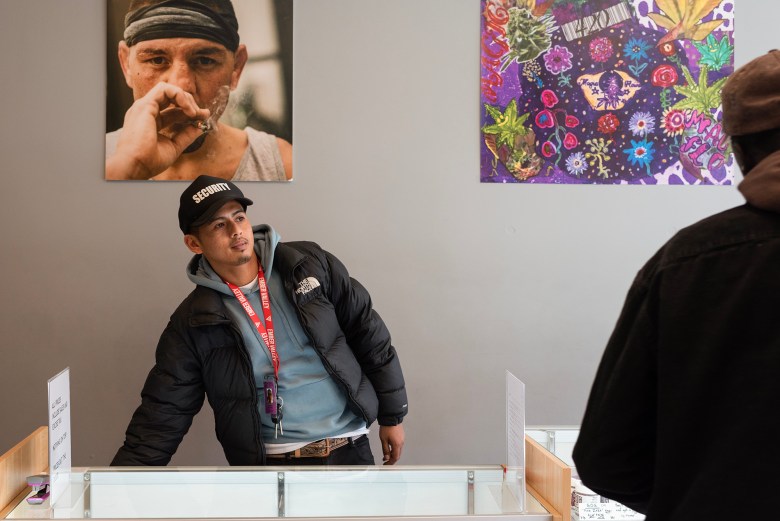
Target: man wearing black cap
682, 419
295, 363
182, 58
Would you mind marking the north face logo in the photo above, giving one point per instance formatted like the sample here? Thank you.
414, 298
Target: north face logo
306, 285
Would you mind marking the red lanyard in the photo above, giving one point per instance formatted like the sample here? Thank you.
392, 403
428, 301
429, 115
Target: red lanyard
266, 330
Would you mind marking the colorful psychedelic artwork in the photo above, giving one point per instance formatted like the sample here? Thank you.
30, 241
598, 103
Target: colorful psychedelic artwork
605, 91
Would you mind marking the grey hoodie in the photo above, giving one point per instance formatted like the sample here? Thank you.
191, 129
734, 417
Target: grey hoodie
314, 405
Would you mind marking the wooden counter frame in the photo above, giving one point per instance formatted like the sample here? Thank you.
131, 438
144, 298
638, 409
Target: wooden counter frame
29, 457
548, 479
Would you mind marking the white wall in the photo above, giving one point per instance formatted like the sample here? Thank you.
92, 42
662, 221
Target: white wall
472, 278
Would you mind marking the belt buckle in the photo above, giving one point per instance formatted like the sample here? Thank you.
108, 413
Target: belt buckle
317, 449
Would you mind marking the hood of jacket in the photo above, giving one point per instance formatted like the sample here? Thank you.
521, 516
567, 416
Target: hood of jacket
201, 273
761, 186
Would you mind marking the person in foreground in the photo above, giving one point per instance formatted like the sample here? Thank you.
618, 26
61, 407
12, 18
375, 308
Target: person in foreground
182, 58
682, 422
286, 346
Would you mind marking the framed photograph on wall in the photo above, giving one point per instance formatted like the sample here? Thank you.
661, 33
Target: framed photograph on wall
199, 87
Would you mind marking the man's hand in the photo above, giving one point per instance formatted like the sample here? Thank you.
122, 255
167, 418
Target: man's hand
157, 129
392, 438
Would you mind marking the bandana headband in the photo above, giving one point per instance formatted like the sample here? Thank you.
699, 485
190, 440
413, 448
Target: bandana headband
181, 19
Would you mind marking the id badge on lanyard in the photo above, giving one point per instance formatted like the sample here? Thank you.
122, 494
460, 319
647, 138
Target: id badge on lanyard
273, 402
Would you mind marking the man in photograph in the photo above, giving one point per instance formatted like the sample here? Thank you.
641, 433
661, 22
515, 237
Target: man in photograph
182, 58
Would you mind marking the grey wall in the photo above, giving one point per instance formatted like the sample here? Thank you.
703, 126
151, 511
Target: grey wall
472, 279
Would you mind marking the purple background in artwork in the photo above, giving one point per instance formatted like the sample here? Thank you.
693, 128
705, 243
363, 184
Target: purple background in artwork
571, 99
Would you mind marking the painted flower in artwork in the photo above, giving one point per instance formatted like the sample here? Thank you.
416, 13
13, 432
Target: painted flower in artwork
608, 123
667, 49
571, 121
601, 49
640, 153
576, 164
570, 141
664, 76
531, 71
549, 98
673, 122
558, 59
545, 119
548, 149
636, 49
641, 123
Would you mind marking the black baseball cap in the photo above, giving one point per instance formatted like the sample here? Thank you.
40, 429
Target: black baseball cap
201, 200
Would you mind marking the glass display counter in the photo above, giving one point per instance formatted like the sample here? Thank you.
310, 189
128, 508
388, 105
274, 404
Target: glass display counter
400, 492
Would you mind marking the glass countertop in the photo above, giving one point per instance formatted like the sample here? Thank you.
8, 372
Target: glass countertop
398, 492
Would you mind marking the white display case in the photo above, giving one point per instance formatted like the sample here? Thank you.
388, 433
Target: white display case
398, 492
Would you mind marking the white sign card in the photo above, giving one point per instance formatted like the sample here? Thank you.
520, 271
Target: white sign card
515, 437
59, 434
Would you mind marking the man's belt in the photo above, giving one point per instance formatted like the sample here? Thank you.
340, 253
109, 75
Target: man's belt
315, 449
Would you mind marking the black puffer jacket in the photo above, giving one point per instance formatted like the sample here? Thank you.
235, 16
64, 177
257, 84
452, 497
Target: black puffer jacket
202, 352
